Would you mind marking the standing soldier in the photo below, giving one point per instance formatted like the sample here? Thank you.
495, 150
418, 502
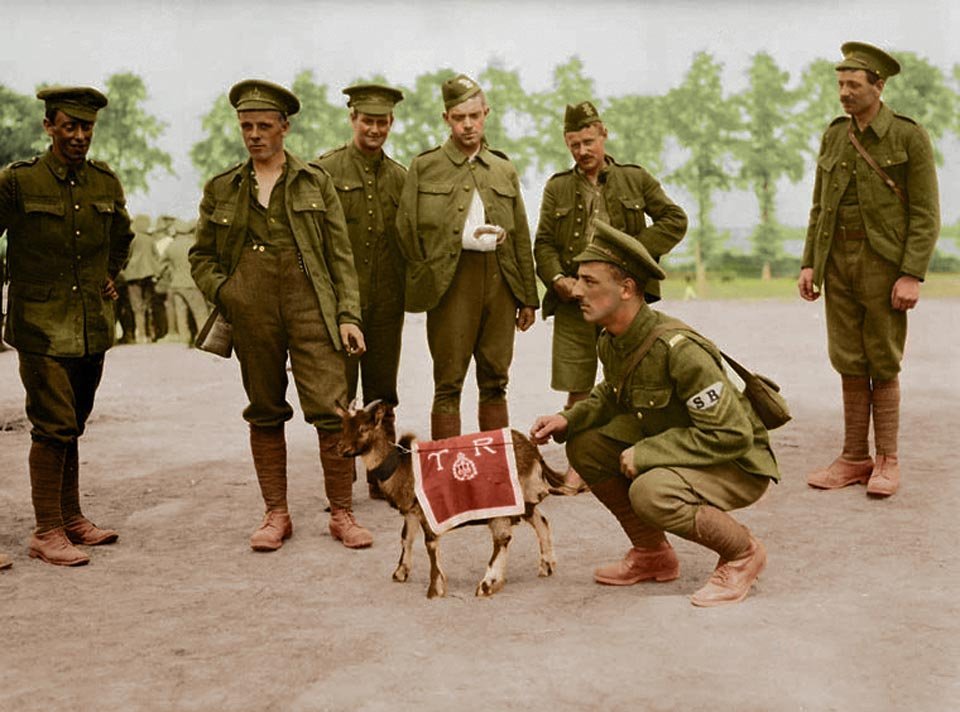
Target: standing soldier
369, 183
873, 226
164, 313
139, 275
69, 233
464, 234
618, 194
187, 298
274, 255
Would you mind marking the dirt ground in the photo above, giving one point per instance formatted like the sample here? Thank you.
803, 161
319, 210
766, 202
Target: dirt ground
857, 610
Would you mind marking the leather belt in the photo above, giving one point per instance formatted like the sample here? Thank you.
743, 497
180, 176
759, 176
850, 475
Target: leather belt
843, 233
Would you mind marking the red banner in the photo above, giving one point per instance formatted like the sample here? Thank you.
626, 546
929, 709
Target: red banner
465, 478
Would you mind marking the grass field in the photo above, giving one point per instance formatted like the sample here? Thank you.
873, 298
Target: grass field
936, 286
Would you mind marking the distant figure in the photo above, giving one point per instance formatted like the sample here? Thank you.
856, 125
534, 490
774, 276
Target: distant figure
689, 291
164, 314
873, 226
273, 253
69, 234
464, 234
188, 301
139, 274
597, 187
369, 183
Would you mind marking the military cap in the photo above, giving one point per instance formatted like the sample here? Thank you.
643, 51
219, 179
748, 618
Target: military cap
259, 95
373, 99
79, 102
860, 55
579, 116
458, 89
618, 248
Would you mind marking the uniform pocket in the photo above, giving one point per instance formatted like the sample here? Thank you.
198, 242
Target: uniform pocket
633, 217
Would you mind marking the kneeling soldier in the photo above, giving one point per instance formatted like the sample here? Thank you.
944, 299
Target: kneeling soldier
666, 443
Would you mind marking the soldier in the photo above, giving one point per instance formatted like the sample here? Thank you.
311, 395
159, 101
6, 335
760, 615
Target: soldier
369, 183
139, 274
464, 234
666, 442
273, 254
872, 230
69, 233
619, 194
186, 297
164, 312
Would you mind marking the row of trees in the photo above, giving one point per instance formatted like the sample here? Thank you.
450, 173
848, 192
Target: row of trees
696, 136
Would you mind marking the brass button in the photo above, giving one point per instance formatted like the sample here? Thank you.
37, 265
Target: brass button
262, 248
369, 197
369, 212
223, 219
76, 207
576, 234
313, 205
460, 208
578, 220
369, 229
78, 233
369, 182
466, 187
73, 288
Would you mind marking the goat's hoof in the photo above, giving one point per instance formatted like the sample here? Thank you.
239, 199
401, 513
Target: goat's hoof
547, 568
487, 588
436, 592
401, 574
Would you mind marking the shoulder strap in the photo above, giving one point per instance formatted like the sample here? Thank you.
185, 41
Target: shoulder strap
637, 356
873, 164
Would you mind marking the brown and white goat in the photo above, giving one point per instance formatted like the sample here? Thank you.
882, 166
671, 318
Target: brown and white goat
363, 436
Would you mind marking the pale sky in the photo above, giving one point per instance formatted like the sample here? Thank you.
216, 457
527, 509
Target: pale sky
188, 52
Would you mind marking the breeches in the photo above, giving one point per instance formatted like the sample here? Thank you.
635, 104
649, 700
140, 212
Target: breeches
574, 360
186, 301
475, 318
666, 497
60, 393
865, 334
275, 312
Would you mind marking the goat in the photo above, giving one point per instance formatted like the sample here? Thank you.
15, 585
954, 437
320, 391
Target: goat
363, 436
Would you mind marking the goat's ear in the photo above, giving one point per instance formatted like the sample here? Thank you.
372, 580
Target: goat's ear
341, 411
379, 412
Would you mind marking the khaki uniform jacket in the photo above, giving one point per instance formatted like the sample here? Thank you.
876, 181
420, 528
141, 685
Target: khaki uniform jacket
66, 236
904, 235
678, 408
371, 217
319, 231
630, 193
433, 209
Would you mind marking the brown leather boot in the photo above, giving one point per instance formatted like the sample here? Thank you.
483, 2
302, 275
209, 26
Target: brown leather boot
492, 416
660, 564
444, 425
885, 480
841, 473
268, 445
5, 562
275, 528
81, 530
344, 527
53, 547
742, 557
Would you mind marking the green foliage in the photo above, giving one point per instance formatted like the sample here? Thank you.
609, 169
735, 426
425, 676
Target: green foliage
705, 124
319, 125
223, 146
638, 127
420, 125
125, 134
921, 92
21, 126
819, 102
510, 122
772, 147
569, 86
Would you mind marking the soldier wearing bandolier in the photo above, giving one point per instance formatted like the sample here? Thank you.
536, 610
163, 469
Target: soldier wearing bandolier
274, 255
69, 234
464, 234
369, 182
873, 226
622, 195
666, 441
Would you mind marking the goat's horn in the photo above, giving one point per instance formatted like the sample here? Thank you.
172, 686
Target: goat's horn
372, 405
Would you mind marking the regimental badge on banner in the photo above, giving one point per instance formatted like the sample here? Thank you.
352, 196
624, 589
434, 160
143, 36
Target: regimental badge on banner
466, 478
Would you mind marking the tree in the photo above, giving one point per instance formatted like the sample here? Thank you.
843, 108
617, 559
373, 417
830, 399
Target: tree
223, 145
21, 127
510, 123
125, 134
705, 125
921, 92
637, 128
772, 147
569, 86
319, 125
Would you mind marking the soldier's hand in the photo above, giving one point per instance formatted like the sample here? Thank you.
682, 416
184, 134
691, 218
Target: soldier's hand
905, 293
627, 466
526, 318
109, 290
545, 426
805, 285
564, 288
352, 339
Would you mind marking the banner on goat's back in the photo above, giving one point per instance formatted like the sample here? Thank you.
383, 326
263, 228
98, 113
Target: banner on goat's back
465, 478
